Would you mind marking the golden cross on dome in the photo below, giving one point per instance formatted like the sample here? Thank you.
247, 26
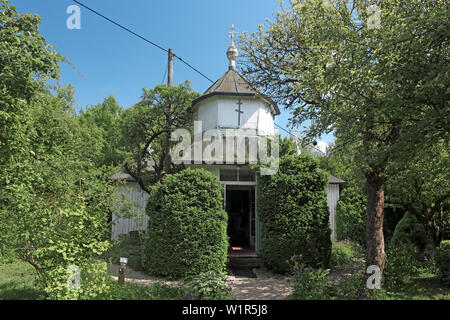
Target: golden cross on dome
232, 33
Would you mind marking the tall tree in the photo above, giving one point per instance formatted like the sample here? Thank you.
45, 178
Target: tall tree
147, 125
52, 198
105, 119
383, 85
421, 185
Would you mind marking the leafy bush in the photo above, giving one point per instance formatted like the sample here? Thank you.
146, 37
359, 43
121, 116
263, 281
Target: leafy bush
446, 225
351, 215
187, 227
400, 264
208, 286
131, 291
443, 262
309, 283
314, 284
410, 230
344, 252
6, 255
292, 205
126, 246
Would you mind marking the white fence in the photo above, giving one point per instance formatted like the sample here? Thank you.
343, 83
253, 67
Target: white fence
129, 214
132, 201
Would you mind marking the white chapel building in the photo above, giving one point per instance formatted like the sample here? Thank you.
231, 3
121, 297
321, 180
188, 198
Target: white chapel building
231, 105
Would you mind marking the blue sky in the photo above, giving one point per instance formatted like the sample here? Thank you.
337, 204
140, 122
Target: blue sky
109, 60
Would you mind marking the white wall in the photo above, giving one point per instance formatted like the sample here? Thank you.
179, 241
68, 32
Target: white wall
207, 113
221, 112
332, 199
129, 198
132, 191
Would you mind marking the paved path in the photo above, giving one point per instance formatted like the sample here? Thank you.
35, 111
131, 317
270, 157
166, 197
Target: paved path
266, 286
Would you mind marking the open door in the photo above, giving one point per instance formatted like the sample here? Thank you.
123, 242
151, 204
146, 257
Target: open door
240, 206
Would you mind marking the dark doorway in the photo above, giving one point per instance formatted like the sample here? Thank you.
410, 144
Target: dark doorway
240, 207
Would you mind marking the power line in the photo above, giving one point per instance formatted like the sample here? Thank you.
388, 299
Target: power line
141, 37
159, 47
165, 72
296, 137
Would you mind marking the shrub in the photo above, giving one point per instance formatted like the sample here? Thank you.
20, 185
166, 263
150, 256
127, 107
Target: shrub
6, 256
292, 205
187, 227
344, 252
443, 262
351, 215
400, 264
446, 225
132, 291
309, 283
314, 284
208, 286
126, 246
410, 230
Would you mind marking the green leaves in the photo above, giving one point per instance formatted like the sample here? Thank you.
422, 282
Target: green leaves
294, 215
187, 228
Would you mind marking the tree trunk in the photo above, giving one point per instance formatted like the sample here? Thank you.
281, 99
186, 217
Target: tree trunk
374, 223
167, 160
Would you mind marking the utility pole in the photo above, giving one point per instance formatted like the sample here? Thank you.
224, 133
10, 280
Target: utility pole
166, 163
170, 67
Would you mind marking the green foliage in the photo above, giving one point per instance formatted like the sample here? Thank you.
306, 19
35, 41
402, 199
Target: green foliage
344, 252
146, 128
410, 230
294, 214
208, 286
443, 262
401, 265
103, 120
131, 291
420, 184
287, 147
351, 215
315, 284
447, 226
54, 202
6, 255
310, 284
187, 227
382, 89
127, 246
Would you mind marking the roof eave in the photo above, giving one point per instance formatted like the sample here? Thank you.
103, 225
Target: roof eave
276, 110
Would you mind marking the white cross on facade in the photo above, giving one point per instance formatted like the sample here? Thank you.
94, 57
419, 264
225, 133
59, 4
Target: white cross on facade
239, 103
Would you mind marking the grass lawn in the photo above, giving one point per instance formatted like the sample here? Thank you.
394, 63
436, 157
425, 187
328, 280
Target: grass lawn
425, 285
17, 282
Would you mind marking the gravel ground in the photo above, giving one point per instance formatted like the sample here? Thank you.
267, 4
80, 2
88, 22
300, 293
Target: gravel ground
266, 286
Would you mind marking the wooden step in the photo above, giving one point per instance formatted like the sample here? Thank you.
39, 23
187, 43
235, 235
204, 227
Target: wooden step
243, 261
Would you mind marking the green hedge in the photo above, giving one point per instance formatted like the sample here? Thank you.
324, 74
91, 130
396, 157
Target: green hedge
446, 225
351, 215
410, 230
292, 205
187, 227
443, 262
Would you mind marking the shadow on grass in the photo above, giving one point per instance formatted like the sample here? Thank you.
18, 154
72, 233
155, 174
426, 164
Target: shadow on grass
422, 288
11, 291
